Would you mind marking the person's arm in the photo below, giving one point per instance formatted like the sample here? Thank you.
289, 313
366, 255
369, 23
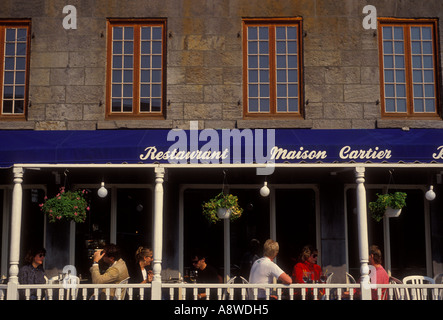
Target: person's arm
285, 278
110, 276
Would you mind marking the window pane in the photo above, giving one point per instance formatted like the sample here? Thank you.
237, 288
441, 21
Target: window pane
116, 90
293, 105
390, 105
418, 105
427, 62
129, 33
387, 33
429, 76
117, 47
19, 92
20, 78
429, 90
156, 47
156, 90
389, 90
282, 105
7, 106
117, 76
263, 33
389, 76
264, 61
156, 76
127, 90
156, 105
127, 76
264, 76
264, 90
264, 105
253, 76
398, 33
399, 47
401, 90
400, 76
253, 62
19, 106
292, 76
144, 90
401, 105
399, 62
281, 47
156, 33
389, 61
281, 90
418, 90
292, 61
387, 47
416, 47
415, 33
252, 33
264, 47
427, 47
252, 47
417, 76
430, 105
117, 33
416, 62
426, 33
253, 90
253, 105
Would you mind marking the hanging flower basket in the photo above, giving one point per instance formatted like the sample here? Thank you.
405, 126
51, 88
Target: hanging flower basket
67, 205
386, 204
222, 207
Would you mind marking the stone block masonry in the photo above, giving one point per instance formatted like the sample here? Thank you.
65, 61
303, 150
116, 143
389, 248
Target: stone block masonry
204, 69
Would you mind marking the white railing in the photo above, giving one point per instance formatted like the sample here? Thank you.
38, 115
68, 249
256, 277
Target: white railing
3, 290
188, 291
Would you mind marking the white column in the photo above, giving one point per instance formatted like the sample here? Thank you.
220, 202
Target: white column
362, 233
158, 233
16, 220
227, 250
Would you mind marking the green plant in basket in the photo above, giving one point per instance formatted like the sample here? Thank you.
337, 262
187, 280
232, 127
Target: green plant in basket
66, 205
229, 201
395, 200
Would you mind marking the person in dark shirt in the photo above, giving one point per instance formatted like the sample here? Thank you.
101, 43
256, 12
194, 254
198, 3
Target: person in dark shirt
32, 271
206, 273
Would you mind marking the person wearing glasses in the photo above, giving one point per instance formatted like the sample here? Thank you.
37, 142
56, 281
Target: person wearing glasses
205, 273
32, 271
307, 270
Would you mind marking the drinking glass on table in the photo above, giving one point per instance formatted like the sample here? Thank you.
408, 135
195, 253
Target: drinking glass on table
306, 277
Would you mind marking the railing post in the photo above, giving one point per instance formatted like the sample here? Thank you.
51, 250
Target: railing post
16, 220
158, 234
363, 233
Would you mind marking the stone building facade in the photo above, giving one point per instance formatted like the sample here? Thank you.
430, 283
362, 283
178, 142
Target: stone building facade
204, 80
341, 82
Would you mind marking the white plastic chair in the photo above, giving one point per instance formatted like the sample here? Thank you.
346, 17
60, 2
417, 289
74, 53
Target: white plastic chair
438, 279
119, 292
329, 277
350, 278
397, 294
417, 294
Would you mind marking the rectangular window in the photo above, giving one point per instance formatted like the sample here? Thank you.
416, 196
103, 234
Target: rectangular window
272, 68
409, 67
136, 68
14, 68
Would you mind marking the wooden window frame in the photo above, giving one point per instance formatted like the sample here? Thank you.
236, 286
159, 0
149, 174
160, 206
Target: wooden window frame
136, 113
273, 22
406, 24
23, 24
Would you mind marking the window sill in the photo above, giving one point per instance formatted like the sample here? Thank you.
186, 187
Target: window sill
298, 123
417, 123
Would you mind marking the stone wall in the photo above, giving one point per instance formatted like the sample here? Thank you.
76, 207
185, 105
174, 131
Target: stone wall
204, 62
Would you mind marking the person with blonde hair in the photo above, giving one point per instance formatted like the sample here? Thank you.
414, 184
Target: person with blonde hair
143, 260
307, 266
264, 269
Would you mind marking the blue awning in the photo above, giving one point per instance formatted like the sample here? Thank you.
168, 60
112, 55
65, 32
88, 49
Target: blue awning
221, 146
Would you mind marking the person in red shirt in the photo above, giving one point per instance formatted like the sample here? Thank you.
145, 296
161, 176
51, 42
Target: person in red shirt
307, 266
381, 276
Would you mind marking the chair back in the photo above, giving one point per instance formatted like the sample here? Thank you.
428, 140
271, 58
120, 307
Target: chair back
417, 294
397, 292
350, 278
119, 292
329, 277
438, 279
